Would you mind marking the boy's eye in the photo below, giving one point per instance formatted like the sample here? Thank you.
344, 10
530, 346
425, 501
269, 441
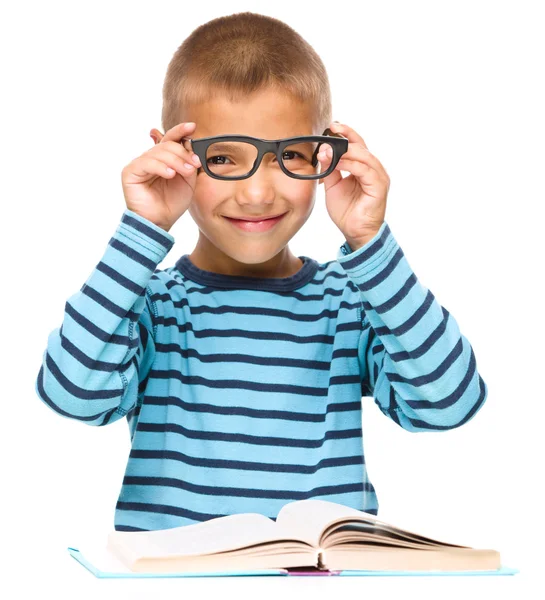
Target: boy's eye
221, 162
291, 154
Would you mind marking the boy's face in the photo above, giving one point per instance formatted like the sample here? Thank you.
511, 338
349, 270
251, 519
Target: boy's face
222, 246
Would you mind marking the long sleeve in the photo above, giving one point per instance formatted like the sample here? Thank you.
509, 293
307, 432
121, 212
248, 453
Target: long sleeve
420, 369
94, 362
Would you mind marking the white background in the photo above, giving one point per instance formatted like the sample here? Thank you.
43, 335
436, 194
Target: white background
449, 97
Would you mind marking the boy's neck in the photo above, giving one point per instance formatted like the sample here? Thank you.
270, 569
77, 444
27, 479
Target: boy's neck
284, 264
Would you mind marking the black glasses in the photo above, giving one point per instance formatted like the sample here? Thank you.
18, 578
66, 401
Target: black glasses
233, 157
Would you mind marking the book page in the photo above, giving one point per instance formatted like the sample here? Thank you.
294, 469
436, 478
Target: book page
306, 519
312, 520
362, 531
407, 559
215, 535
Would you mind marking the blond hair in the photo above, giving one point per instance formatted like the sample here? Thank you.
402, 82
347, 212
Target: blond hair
241, 53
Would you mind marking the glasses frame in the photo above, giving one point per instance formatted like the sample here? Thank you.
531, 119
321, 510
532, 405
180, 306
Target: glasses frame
338, 143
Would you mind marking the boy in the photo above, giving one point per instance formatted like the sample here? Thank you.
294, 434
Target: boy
241, 368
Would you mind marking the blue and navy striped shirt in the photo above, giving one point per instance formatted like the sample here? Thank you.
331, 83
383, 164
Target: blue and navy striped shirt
243, 394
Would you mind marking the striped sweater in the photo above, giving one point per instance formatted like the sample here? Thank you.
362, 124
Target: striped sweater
243, 394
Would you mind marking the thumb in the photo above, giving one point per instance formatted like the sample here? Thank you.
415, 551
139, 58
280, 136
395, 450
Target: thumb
333, 178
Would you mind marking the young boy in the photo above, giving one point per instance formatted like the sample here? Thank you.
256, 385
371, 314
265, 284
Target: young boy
241, 368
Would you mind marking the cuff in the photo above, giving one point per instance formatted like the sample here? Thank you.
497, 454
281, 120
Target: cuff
144, 236
366, 261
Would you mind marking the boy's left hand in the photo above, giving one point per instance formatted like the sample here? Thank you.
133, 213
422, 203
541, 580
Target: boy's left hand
357, 203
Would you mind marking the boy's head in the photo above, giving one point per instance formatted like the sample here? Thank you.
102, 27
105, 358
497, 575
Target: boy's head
248, 74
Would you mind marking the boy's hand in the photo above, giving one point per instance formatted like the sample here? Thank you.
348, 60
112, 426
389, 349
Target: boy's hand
157, 185
357, 203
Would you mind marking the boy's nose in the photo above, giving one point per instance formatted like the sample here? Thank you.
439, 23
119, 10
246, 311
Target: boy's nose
259, 188
263, 173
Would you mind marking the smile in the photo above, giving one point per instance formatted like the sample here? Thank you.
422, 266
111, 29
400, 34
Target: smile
255, 226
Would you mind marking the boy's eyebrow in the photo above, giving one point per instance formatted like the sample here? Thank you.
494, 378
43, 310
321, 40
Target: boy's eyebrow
225, 146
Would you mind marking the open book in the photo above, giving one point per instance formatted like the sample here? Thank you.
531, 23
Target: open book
307, 533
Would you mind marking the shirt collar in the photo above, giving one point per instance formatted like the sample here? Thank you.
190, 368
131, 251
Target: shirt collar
274, 284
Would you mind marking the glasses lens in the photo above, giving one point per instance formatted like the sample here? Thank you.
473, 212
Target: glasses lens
300, 158
231, 158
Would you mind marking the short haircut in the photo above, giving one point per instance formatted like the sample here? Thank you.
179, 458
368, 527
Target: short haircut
241, 53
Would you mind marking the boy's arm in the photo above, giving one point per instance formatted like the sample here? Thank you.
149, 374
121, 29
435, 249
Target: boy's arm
420, 369
94, 362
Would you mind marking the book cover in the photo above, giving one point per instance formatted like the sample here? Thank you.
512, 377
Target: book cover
105, 566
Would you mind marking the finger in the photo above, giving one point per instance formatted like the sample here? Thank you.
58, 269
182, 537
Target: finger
334, 177
348, 132
181, 164
357, 152
358, 169
324, 157
156, 166
177, 132
145, 166
178, 150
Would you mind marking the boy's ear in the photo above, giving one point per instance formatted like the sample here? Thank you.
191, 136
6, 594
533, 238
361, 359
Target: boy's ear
156, 135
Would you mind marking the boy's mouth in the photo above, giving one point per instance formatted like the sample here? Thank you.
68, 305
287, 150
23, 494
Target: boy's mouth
255, 219
256, 224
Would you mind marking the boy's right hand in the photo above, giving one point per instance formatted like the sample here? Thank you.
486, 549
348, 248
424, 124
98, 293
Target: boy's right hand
154, 192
